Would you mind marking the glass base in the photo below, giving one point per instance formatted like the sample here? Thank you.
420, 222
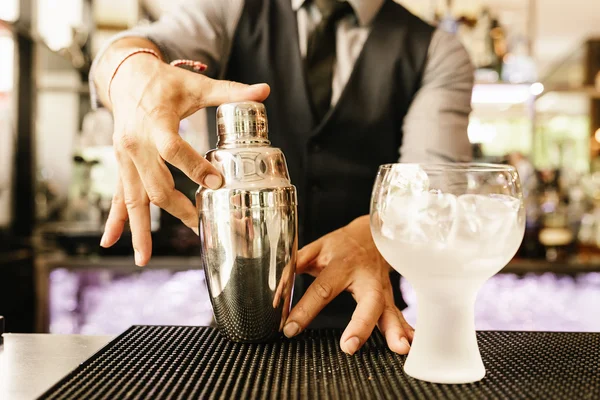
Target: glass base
430, 373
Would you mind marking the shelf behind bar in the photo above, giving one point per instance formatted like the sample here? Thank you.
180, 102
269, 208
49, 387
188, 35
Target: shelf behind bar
575, 265
174, 263
589, 91
119, 264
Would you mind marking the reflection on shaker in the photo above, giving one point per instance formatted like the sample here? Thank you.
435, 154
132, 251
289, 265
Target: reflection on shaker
273, 231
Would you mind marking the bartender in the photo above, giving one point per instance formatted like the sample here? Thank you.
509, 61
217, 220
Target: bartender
348, 86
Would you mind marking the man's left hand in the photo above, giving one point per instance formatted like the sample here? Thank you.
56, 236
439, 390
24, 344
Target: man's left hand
347, 259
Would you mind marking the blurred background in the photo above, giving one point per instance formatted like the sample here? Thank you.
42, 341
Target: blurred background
536, 105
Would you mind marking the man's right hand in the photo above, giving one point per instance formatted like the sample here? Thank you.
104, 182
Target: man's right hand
149, 98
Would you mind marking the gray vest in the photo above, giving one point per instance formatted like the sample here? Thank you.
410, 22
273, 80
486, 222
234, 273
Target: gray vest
333, 162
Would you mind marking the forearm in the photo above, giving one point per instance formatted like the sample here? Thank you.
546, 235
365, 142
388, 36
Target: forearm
131, 71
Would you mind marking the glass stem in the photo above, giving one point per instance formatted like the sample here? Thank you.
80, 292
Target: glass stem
444, 348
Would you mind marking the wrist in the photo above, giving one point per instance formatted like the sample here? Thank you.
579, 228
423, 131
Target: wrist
114, 58
363, 220
360, 229
362, 225
132, 76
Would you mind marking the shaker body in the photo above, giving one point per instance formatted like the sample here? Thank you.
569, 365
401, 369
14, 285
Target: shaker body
249, 258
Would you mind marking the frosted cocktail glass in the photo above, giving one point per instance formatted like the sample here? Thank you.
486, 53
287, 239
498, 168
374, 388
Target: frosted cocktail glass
447, 228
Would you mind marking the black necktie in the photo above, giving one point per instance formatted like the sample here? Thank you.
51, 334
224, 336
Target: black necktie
321, 53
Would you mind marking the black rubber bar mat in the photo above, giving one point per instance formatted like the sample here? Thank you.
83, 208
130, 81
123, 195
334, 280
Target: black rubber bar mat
161, 362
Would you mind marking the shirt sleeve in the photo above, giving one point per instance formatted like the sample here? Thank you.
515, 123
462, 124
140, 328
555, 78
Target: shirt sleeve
435, 127
199, 30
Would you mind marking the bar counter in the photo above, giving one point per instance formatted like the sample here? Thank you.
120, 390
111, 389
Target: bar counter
32, 363
164, 362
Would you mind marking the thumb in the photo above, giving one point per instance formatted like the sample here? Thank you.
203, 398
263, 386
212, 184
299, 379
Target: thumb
212, 92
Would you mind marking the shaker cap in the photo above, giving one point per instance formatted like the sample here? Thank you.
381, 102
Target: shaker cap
242, 123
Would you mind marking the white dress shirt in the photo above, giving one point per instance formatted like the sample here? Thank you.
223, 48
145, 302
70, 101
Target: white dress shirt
435, 127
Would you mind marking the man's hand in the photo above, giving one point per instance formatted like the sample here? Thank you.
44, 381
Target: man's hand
149, 98
348, 259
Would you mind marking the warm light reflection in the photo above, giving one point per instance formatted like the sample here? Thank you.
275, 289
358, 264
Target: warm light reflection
56, 20
597, 135
6, 63
9, 10
501, 94
537, 89
480, 132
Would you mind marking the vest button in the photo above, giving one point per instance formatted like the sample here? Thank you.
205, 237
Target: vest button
315, 148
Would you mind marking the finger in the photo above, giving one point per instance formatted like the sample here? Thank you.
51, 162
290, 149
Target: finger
408, 329
281, 287
117, 217
307, 255
279, 291
138, 209
160, 188
320, 293
216, 92
176, 151
370, 304
287, 284
178, 205
391, 326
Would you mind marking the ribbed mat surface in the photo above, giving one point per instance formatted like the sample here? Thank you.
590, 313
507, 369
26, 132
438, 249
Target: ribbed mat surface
161, 362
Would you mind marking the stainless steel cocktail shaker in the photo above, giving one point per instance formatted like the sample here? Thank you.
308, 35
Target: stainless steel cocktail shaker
248, 228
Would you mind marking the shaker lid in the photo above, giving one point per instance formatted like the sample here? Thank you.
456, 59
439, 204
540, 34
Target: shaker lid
242, 123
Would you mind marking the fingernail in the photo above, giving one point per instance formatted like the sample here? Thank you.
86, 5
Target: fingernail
258, 88
138, 259
103, 240
291, 329
213, 181
404, 341
352, 345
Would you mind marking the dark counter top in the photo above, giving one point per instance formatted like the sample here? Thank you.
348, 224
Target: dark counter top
161, 362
